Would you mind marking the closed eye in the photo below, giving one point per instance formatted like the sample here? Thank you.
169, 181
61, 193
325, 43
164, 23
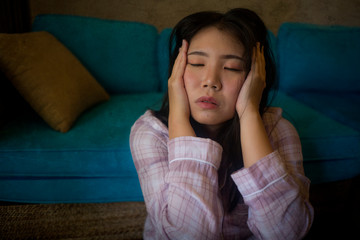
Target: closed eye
233, 69
197, 64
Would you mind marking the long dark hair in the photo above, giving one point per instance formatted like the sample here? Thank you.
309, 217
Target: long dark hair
249, 29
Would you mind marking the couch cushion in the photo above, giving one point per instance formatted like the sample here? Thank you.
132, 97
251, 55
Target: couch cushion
163, 57
49, 77
120, 55
331, 149
342, 107
318, 58
90, 163
272, 42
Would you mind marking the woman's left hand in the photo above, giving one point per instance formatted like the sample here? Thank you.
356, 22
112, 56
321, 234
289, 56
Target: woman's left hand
251, 92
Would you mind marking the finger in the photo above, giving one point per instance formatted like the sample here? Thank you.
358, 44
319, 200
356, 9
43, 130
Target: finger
259, 53
253, 63
183, 53
260, 64
176, 64
259, 58
180, 62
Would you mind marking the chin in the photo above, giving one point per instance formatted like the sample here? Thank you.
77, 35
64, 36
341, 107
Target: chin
210, 119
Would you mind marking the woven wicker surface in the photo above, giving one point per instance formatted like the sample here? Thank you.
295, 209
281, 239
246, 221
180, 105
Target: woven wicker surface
73, 221
336, 205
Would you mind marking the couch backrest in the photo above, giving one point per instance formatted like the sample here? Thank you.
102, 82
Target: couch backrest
318, 58
122, 56
163, 57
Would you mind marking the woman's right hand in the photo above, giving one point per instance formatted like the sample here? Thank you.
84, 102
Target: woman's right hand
179, 109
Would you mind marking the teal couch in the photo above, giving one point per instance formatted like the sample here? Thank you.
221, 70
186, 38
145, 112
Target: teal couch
319, 92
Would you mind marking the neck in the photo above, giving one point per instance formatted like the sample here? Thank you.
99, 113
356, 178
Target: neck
207, 131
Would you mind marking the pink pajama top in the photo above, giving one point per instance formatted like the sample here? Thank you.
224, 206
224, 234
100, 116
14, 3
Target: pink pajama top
179, 181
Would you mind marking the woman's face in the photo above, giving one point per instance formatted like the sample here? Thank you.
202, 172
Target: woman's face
214, 75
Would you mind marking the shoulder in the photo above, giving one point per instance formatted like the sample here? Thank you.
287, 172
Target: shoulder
273, 119
277, 127
148, 140
148, 130
149, 123
283, 135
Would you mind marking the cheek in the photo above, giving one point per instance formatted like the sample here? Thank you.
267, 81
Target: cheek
236, 85
240, 83
234, 90
190, 79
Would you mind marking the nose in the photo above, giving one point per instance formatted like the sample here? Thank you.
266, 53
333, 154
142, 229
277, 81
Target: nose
212, 80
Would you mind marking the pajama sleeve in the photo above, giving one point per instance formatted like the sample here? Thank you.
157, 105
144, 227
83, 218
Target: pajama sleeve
179, 183
276, 189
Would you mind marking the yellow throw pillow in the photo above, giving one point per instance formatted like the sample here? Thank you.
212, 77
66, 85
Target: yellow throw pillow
49, 77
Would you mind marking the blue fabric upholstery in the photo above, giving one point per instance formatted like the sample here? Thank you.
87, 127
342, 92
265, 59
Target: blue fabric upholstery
120, 55
318, 66
331, 149
318, 58
342, 107
163, 57
93, 152
71, 189
272, 43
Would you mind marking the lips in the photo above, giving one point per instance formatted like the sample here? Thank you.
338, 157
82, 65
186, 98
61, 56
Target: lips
207, 102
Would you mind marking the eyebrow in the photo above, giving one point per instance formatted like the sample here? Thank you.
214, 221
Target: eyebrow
226, 56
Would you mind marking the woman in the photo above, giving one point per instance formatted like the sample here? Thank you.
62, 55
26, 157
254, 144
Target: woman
215, 162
